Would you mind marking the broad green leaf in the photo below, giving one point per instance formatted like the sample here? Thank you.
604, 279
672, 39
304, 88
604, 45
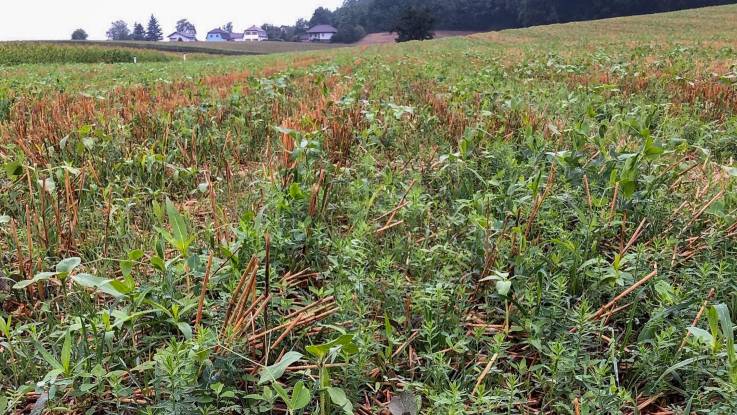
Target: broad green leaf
110, 287
66, 353
67, 265
87, 280
186, 329
51, 360
158, 263
701, 335
680, 365
282, 394
41, 276
338, 397
503, 287
345, 342
126, 267
300, 396
275, 371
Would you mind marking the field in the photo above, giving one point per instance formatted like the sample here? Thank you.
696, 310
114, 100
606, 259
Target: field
19, 53
64, 52
530, 221
219, 48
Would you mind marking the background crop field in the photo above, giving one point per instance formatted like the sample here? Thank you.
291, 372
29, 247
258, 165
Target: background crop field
530, 221
218, 48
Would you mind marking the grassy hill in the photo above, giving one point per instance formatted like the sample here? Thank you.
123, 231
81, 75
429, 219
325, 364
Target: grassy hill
528, 221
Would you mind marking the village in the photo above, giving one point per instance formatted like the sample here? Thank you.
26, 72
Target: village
317, 33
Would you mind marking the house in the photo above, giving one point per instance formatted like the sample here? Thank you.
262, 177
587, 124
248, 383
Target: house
218, 35
182, 37
236, 37
255, 34
321, 33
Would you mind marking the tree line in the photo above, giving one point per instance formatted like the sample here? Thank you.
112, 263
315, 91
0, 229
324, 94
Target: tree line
119, 30
355, 18
415, 19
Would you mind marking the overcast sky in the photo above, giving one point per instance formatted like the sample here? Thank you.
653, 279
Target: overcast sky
57, 19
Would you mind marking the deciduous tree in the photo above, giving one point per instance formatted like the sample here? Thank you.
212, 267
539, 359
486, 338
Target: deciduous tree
415, 23
119, 31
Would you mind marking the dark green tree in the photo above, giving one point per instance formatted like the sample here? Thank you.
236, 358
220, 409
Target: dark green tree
139, 33
349, 34
119, 31
153, 30
274, 32
415, 23
79, 34
321, 16
228, 27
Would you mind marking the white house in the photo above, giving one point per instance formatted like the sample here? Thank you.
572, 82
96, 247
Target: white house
182, 37
321, 33
255, 34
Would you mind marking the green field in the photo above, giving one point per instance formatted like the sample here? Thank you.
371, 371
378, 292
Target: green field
19, 53
530, 221
71, 52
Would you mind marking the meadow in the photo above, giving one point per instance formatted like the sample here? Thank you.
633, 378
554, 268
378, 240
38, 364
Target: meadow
529, 221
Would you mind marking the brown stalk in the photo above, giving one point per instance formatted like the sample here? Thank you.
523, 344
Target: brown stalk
29, 237
404, 345
389, 226
698, 316
244, 295
540, 199
42, 210
485, 372
237, 292
213, 206
614, 202
702, 210
625, 293
393, 213
203, 291
250, 315
289, 329
304, 322
588, 191
267, 290
312, 210
614, 311
321, 302
634, 237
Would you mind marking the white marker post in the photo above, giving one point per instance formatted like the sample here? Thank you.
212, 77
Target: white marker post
135, 59
184, 57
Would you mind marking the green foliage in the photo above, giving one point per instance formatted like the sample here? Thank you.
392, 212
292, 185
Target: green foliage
382, 15
79, 34
451, 218
119, 30
415, 23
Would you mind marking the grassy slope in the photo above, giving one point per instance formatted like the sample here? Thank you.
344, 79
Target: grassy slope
522, 163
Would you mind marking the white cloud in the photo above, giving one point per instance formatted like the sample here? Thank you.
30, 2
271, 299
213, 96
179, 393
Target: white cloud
56, 19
